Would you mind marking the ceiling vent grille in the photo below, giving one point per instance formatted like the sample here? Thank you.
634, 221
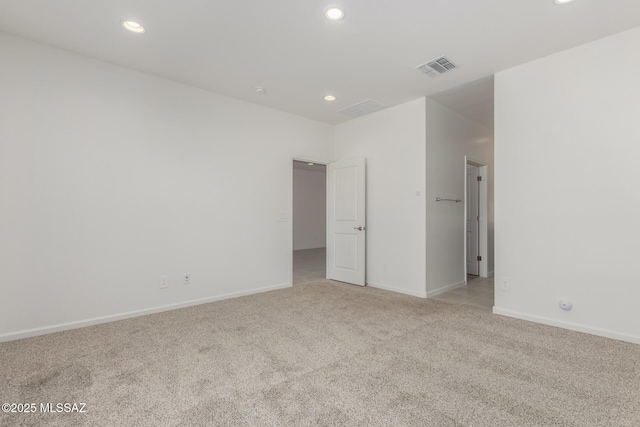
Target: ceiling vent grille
437, 66
361, 108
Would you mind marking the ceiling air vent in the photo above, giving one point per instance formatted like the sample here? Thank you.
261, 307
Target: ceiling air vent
437, 66
361, 108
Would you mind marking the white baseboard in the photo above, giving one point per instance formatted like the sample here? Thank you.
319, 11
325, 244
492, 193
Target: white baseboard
398, 290
447, 288
490, 274
27, 333
568, 325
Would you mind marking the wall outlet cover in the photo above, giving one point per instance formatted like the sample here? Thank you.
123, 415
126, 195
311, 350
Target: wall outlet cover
164, 281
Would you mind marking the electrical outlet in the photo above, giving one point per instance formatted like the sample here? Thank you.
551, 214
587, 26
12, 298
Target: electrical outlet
164, 281
186, 279
506, 284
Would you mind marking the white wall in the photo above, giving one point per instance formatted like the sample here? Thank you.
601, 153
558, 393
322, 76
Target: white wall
110, 178
393, 143
451, 137
309, 209
567, 198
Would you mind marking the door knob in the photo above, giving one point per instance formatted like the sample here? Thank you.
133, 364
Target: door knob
358, 228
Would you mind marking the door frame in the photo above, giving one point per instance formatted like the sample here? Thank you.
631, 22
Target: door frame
483, 226
306, 160
472, 216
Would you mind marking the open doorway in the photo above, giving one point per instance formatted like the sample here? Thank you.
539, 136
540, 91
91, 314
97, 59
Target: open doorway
309, 222
476, 221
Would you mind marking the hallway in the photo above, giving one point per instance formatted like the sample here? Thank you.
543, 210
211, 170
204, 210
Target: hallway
477, 292
309, 266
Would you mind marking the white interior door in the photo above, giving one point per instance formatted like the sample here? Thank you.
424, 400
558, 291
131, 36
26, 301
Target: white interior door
346, 231
473, 218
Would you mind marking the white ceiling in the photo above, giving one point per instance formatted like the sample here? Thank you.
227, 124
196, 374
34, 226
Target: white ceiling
291, 49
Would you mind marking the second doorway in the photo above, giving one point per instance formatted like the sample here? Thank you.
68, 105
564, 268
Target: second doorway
309, 222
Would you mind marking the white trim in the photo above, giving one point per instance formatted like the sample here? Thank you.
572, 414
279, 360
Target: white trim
446, 288
290, 230
483, 229
568, 325
398, 290
464, 221
26, 333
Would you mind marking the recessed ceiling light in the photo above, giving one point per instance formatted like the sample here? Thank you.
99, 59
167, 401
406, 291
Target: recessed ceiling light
329, 98
133, 26
562, 1
260, 90
310, 164
334, 14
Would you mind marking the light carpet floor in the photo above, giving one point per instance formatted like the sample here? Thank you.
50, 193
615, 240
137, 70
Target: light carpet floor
325, 354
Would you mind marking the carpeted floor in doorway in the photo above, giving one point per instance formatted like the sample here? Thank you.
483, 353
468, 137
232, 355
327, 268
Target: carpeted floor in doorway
324, 354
